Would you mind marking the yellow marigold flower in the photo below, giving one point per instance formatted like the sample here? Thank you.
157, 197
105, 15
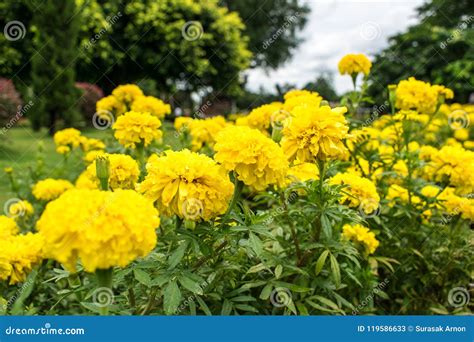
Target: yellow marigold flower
262, 117
360, 234
49, 189
469, 144
182, 122
20, 208
91, 144
134, 128
300, 98
187, 184
63, 149
461, 134
353, 64
18, 255
8, 227
108, 106
152, 105
397, 192
401, 168
257, 160
430, 191
456, 164
8, 170
315, 133
446, 93
360, 192
92, 155
101, 228
302, 172
123, 173
415, 94
127, 93
456, 205
427, 152
70, 137
203, 132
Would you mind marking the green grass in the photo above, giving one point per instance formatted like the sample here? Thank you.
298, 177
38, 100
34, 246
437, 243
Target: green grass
19, 148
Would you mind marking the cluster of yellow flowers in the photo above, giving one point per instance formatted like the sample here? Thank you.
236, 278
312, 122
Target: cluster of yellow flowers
137, 128
353, 64
362, 235
256, 159
190, 185
360, 192
261, 117
70, 138
18, 253
421, 96
130, 97
49, 189
202, 131
102, 229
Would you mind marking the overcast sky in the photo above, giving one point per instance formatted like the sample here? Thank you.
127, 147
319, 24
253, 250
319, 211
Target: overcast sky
335, 28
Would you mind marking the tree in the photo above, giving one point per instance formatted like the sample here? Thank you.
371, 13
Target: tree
440, 49
53, 66
324, 85
272, 27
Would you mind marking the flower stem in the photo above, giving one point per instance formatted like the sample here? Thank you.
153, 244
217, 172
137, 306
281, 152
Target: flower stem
105, 280
238, 186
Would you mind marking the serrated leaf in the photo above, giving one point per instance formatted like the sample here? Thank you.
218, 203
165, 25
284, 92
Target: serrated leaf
190, 285
177, 255
142, 277
326, 225
321, 261
336, 271
171, 297
204, 306
255, 243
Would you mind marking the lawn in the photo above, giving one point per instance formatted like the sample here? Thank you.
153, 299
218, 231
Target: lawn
20, 148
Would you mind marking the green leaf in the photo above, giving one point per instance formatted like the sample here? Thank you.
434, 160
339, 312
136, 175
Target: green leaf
171, 297
190, 285
160, 280
321, 261
204, 306
256, 268
243, 299
178, 254
142, 277
266, 292
255, 243
245, 307
226, 308
302, 309
326, 224
278, 271
336, 272
326, 302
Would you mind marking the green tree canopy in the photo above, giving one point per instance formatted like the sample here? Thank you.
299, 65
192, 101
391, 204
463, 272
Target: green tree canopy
440, 49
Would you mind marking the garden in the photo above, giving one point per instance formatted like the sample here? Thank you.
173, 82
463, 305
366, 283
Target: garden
123, 197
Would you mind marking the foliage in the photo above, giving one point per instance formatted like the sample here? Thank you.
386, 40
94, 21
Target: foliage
438, 49
90, 95
10, 100
264, 20
52, 68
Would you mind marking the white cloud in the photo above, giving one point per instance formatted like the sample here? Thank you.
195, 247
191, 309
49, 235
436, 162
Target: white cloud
335, 28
